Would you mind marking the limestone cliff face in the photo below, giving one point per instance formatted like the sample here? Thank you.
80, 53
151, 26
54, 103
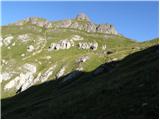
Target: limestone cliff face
80, 22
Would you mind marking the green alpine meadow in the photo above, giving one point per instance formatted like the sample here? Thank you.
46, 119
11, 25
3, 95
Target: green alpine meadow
76, 68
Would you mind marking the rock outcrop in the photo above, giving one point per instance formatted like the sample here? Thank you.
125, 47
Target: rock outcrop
81, 22
23, 37
24, 80
35, 21
6, 76
42, 77
106, 28
8, 40
88, 45
82, 16
30, 48
62, 44
83, 59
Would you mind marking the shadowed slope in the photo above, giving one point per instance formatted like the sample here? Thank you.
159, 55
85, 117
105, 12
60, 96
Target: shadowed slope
125, 89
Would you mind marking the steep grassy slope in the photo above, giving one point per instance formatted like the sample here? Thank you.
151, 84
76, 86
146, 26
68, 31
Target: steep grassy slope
42, 38
128, 89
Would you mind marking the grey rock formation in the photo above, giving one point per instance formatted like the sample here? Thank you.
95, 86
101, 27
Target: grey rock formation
39, 22
64, 24
87, 25
42, 77
88, 45
62, 44
24, 80
81, 22
106, 28
8, 40
23, 37
82, 16
6, 76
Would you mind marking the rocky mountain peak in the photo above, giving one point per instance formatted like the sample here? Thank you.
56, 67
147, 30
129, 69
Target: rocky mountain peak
82, 16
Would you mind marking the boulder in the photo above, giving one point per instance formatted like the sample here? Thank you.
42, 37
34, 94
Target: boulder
8, 40
30, 48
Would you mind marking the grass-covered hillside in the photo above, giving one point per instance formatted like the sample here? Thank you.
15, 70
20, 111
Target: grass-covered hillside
127, 88
43, 60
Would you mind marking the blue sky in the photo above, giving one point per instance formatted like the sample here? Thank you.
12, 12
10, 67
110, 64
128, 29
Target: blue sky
135, 20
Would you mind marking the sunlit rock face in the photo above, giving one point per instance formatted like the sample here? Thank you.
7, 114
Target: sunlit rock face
82, 16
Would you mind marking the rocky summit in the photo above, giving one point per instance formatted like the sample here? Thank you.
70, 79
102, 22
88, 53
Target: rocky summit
50, 67
81, 22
